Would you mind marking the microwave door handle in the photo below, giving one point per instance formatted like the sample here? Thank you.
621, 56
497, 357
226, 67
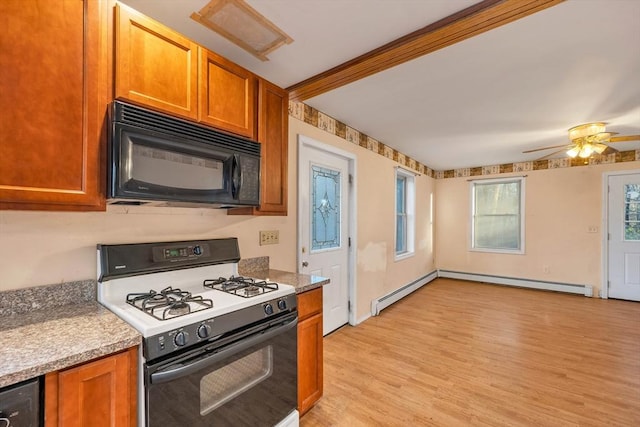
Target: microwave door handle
173, 374
236, 177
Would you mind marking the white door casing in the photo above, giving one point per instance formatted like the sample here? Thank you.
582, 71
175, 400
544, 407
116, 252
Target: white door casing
622, 236
327, 217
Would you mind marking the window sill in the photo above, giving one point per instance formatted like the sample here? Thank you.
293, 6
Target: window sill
499, 251
405, 255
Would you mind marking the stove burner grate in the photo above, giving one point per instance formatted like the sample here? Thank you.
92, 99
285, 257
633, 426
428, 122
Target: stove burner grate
168, 303
242, 286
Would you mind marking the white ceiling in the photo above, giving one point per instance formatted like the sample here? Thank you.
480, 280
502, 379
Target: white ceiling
479, 102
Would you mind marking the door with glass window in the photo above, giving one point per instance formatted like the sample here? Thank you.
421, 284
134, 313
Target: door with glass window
624, 236
323, 200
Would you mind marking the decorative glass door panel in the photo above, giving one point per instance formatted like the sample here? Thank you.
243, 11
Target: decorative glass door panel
325, 208
632, 212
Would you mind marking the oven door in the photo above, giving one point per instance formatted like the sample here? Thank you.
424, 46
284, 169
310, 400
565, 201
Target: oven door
238, 380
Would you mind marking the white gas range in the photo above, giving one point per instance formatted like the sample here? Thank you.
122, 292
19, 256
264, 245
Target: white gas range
228, 343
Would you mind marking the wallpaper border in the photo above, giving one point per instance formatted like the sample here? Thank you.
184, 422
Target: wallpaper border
320, 120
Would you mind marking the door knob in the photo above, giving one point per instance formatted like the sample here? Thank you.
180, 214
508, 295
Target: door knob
305, 264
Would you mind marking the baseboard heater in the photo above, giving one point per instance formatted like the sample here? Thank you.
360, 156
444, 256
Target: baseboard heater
377, 305
586, 290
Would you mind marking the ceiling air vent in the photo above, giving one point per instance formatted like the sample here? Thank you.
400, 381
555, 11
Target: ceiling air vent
242, 25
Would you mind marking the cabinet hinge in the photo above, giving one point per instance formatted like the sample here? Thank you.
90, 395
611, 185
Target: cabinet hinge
349, 306
349, 241
350, 179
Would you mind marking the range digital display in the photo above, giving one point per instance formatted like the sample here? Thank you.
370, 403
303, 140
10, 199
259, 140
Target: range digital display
170, 253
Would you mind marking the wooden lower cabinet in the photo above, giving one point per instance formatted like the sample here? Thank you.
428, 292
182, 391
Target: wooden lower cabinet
98, 393
310, 357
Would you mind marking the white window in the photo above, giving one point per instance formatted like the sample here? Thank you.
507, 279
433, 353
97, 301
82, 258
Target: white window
405, 213
497, 215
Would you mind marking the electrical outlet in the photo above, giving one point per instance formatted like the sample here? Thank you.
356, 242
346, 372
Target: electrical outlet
592, 229
269, 237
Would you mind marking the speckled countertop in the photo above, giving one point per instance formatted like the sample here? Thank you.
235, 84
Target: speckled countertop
48, 328
41, 331
259, 269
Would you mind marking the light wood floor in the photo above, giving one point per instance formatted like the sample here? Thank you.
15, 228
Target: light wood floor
458, 353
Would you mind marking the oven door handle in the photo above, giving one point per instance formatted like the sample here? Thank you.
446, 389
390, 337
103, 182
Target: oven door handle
170, 375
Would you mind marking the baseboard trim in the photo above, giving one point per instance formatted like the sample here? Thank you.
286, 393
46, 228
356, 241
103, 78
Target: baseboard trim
586, 290
379, 304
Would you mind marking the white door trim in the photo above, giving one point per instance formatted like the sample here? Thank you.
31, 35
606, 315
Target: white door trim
305, 141
604, 280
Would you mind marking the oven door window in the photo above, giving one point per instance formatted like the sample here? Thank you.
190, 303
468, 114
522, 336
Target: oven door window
250, 382
230, 381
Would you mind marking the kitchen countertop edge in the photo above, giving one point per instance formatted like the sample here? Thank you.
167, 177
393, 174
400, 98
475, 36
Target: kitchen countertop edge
301, 282
47, 340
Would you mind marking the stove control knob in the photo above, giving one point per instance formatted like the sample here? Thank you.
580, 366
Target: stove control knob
282, 304
203, 331
197, 250
181, 338
268, 309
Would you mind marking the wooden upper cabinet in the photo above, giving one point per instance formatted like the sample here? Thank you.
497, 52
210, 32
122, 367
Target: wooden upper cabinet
155, 66
227, 95
53, 98
273, 134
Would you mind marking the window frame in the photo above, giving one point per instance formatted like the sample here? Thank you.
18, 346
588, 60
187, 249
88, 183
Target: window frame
409, 214
521, 215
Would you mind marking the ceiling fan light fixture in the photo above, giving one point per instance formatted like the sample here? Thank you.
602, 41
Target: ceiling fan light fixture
585, 130
586, 151
573, 152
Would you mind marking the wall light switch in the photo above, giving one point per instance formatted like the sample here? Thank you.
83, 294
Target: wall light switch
269, 237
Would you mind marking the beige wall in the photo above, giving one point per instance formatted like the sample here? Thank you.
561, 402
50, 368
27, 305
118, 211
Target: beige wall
38, 248
560, 205
377, 271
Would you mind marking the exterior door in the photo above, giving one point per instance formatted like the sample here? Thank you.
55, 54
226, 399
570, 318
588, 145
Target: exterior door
624, 236
324, 228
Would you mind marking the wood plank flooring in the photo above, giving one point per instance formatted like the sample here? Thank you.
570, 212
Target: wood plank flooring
458, 353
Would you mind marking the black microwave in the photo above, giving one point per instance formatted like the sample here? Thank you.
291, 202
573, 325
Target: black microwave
159, 160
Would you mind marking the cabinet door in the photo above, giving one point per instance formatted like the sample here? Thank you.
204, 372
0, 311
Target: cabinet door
309, 362
155, 66
227, 97
273, 134
53, 97
96, 394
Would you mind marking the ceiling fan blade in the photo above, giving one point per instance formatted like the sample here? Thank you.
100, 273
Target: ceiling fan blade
599, 148
609, 150
625, 138
601, 137
552, 155
549, 148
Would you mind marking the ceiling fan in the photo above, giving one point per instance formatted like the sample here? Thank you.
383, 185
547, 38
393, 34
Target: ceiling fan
586, 140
